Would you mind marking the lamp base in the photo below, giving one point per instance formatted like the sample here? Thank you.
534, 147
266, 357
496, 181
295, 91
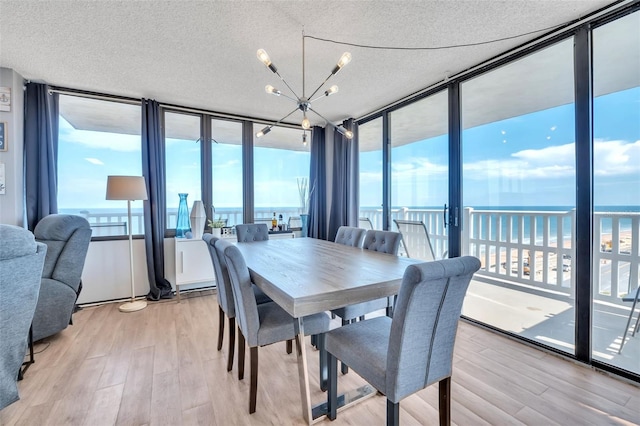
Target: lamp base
136, 305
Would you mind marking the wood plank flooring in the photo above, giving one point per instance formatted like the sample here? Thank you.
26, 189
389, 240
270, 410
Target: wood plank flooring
160, 366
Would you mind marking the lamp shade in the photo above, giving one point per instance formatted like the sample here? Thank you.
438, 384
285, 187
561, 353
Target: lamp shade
126, 188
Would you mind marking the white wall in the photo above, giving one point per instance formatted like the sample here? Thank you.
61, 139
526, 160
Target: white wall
11, 206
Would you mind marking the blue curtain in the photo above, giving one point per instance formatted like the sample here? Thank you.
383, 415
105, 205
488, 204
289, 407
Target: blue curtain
153, 160
344, 191
318, 186
40, 153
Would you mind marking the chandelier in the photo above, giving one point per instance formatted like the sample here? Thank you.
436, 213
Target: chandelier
303, 103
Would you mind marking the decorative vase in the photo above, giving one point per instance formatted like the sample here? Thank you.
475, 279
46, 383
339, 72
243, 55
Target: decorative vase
198, 219
182, 225
216, 232
305, 224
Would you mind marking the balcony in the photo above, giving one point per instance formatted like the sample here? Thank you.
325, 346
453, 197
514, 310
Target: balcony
526, 284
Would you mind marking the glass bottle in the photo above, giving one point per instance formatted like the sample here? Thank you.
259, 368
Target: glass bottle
274, 222
182, 225
280, 223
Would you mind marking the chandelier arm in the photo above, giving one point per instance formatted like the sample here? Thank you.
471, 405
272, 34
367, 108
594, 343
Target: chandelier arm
319, 97
288, 87
285, 117
320, 87
321, 116
288, 97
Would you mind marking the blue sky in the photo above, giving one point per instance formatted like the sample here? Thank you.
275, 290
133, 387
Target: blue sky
522, 161
526, 160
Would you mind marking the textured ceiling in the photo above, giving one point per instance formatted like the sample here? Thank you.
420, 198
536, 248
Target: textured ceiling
202, 54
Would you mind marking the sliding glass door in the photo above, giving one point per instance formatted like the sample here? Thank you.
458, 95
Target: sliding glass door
518, 150
616, 146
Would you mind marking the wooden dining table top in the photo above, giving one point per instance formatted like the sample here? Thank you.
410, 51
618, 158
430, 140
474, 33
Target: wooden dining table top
307, 275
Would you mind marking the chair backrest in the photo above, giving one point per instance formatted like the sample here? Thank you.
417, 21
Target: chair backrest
425, 320
295, 222
224, 292
382, 241
365, 223
21, 263
350, 236
243, 295
249, 232
415, 239
67, 238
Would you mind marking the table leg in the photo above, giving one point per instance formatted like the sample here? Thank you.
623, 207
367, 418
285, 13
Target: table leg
303, 374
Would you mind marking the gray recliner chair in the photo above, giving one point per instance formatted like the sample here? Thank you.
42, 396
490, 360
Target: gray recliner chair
21, 261
67, 238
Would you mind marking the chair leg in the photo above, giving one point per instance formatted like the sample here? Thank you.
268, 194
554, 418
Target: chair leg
220, 326
343, 367
444, 403
332, 386
393, 413
241, 344
232, 342
323, 362
253, 390
289, 346
626, 329
314, 341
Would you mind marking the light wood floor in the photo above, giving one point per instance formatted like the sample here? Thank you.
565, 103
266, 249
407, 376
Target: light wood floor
160, 366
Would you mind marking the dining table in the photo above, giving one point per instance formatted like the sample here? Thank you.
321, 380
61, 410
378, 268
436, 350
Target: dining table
307, 276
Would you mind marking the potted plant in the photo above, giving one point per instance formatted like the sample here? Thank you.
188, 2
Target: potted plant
216, 226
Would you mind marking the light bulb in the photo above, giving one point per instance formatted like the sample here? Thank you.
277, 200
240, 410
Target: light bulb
264, 57
344, 59
349, 134
306, 124
331, 90
271, 90
263, 132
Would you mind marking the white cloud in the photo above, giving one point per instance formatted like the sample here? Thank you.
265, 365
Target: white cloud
612, 158
95, 161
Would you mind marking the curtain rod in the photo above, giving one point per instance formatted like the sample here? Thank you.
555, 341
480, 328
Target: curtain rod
133, 101
565, 29
92, 95
226, 115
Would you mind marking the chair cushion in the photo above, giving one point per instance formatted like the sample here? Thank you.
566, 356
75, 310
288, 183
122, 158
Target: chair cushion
363, 347
260, 296
277, 325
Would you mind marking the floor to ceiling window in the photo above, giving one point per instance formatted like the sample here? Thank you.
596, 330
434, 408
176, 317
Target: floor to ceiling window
616, 145
281, 174
226, 159
98, 138
518, 151
182, 173
420, 176
370, 163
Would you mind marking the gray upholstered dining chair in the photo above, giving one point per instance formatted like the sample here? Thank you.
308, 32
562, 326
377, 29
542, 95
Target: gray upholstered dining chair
402, 355
225, 297
261, 325
382, 241
350, 236
250, 232
21, 262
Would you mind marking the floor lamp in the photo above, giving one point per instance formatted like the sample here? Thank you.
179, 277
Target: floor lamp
128, 188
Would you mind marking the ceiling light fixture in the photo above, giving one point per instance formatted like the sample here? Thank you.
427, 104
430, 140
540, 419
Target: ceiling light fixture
303, 103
